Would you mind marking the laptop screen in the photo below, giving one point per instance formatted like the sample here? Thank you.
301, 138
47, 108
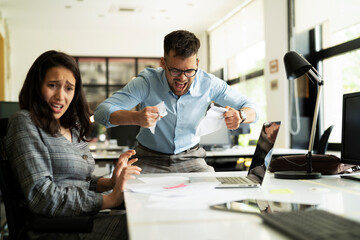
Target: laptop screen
263, 150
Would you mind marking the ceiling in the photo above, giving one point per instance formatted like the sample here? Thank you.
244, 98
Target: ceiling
119, 15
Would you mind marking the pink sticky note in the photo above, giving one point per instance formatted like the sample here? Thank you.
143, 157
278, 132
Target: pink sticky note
177, 186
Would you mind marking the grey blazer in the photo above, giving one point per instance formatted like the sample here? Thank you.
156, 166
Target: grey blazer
55, 175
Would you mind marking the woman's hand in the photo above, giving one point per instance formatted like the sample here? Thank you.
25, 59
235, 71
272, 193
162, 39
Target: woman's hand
127, 173
124, 170
123, 158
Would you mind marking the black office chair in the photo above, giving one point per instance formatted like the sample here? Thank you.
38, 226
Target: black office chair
324, 141
18, 217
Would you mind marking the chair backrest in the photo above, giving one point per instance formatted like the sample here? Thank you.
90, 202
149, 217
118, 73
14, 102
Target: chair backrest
3, 126
324, 141
18, 217
15, 214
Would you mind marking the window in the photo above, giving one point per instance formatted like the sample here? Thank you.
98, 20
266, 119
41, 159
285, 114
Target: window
102, 76
246, 71
335, 52
237, 45
254, 88
341, 75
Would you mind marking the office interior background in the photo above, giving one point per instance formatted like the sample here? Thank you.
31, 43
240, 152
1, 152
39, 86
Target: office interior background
243, 41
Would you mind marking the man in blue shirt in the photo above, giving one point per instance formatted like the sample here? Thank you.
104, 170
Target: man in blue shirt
186, 91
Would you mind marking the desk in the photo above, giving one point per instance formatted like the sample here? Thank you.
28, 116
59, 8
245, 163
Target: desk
226, 159
153, 217
112, 154
249, 152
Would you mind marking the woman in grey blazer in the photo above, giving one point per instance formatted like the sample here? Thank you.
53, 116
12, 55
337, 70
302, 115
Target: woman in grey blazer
49, 155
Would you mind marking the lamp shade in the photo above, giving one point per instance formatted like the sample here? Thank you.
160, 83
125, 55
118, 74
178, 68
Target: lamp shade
295, 65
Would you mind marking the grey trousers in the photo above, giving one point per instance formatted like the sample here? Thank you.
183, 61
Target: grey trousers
192, 160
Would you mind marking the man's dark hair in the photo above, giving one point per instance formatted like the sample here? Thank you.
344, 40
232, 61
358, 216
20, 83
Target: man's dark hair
184, 43
30, 98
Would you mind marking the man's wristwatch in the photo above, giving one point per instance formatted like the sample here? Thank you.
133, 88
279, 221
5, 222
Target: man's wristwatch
242, 115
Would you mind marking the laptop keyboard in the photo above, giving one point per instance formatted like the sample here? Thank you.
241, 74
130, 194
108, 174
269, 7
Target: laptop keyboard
235, 180
313, 224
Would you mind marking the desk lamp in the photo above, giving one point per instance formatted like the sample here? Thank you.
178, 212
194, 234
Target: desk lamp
296, 66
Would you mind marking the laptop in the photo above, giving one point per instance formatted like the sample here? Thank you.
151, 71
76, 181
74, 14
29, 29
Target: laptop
260, 162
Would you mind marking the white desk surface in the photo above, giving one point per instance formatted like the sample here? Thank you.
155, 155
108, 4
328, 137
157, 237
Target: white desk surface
152, 216
114, 153
249, 151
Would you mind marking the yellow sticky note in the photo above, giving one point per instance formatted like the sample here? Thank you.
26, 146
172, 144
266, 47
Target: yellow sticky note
281, 191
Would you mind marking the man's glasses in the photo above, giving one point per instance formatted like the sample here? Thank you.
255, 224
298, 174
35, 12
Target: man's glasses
174, 72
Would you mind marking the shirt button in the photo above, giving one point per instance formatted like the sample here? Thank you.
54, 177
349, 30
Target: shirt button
88, 179
85, 157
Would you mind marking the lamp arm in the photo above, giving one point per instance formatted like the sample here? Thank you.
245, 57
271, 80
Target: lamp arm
316, 75
316, 111
315, 117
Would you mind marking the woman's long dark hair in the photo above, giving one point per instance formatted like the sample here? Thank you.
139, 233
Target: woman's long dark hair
30, 98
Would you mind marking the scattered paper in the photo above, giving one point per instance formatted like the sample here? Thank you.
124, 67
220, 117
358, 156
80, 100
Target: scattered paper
183, 193
162, 113
177, 186
212, 121
172, 180
281, 191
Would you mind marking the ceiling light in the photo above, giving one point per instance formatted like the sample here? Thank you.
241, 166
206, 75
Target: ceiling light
121, 9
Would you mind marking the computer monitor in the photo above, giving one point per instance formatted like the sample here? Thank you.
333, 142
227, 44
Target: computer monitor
351, 129
218, 139
244, 128
8, 108
125, 135
219, 73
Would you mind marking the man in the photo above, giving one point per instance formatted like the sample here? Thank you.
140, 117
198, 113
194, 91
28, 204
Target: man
186, 92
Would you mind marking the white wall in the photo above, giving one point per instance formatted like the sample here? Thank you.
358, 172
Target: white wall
27, 44
275, 17
245, 30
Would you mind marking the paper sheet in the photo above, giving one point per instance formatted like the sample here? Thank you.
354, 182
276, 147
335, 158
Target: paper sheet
183, 194
162, 113
212, 121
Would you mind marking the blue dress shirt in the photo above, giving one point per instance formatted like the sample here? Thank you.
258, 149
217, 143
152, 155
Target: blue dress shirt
176, 131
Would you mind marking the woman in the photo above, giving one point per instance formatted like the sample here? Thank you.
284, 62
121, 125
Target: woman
49, 155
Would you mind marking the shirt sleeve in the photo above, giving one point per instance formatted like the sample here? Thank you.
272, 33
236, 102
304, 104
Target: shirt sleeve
31, 163
124, 99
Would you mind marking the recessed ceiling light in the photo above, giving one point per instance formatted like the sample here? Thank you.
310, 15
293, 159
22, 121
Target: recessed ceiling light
126, 9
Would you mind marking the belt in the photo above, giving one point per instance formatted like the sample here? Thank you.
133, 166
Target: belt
192, 148
185, 151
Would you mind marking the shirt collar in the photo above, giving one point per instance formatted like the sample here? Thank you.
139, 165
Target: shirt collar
194, 89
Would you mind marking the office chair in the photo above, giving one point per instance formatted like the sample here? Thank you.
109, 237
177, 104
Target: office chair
19, 219
324, 140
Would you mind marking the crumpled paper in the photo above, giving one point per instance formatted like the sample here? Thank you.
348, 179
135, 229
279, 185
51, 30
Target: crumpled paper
162, 113
212, 121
